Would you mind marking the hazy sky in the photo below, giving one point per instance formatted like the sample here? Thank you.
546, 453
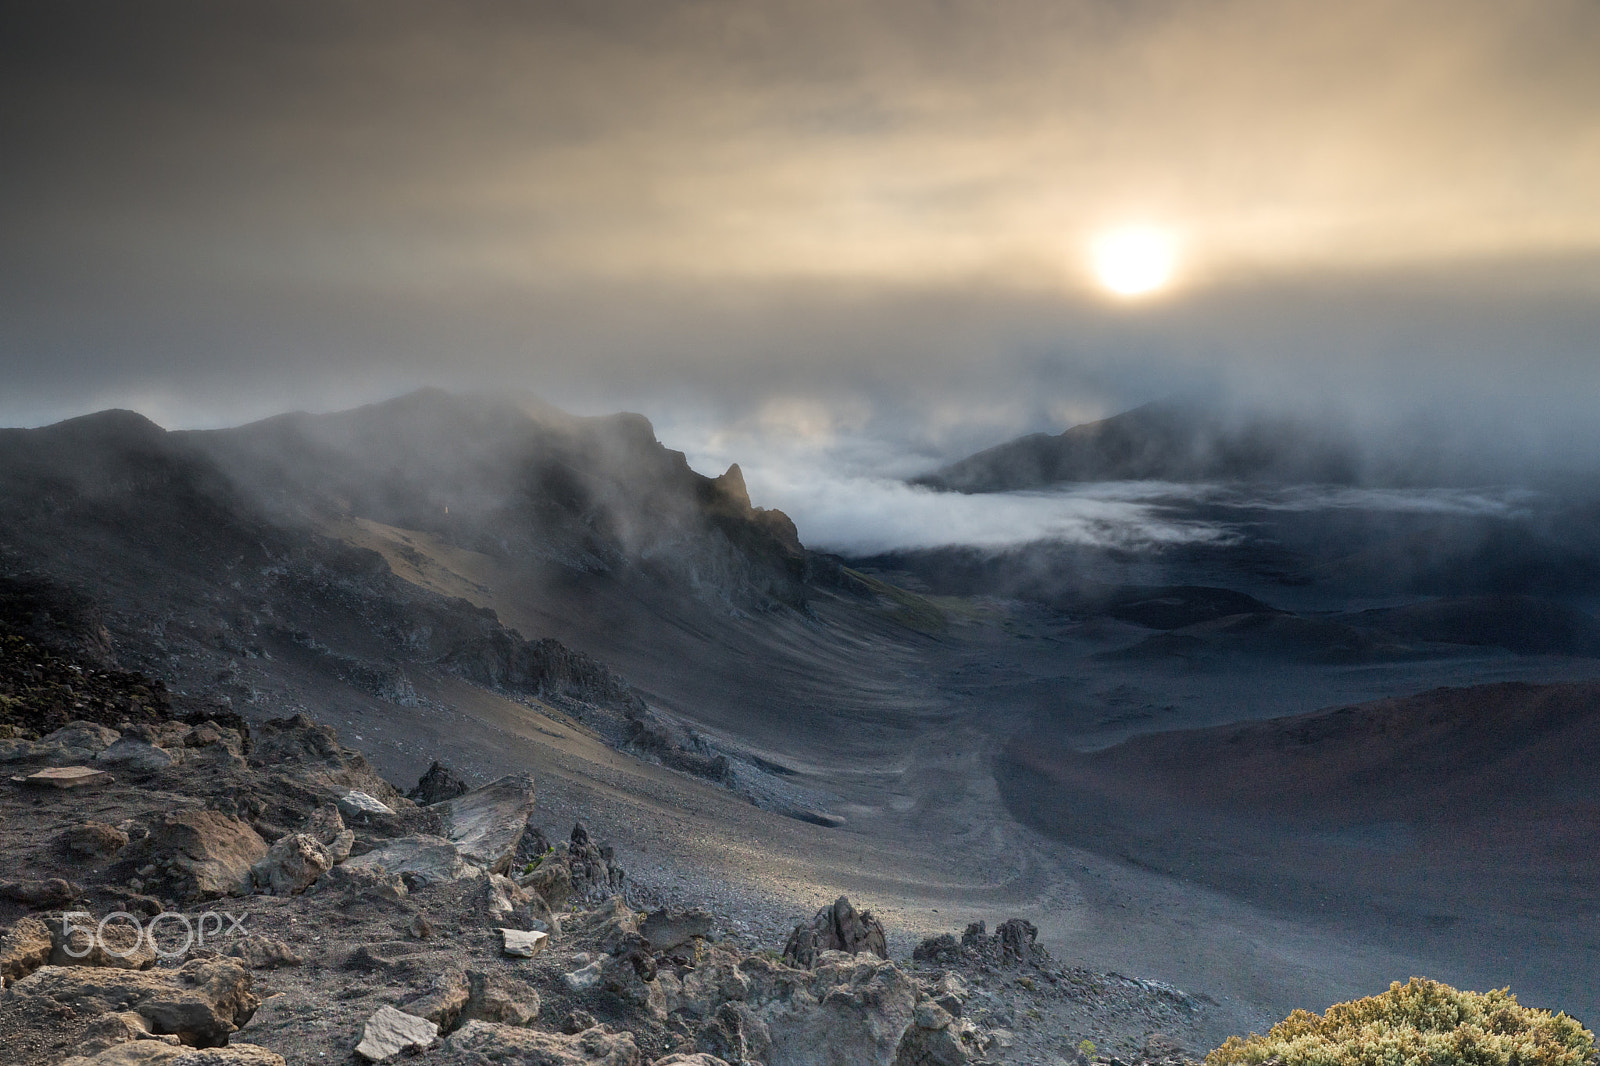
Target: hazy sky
808, 221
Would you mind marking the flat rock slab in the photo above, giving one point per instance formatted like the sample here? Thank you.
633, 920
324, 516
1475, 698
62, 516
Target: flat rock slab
392, 1032
487, 823
356, 803
65, 777
522, 945
427, 860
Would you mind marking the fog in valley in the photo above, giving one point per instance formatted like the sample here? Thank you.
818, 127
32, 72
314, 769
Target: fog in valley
1123, 473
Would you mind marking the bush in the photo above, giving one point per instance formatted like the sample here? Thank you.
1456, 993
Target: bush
1420, 1023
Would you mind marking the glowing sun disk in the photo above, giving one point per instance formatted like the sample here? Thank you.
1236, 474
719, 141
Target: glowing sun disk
1134, 261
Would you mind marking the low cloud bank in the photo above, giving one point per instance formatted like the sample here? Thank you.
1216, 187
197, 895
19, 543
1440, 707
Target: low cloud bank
846, 493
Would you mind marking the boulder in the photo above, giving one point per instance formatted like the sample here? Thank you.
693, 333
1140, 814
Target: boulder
487, 823
485, 1041
436, 785
515, 943
734, 1033
263, 953
419, 860
24, 948
610, 924
373, 882
932, 1039
499, 998
201, 1003
552, 880
444, 1003
42, 892
123, 1027
668, 928
630, 975
390, 1032
149, 1053
327, 826
836, 927
698, 1058
85, 942
291, 865
94, 840
83, 740
139, 756
205, 854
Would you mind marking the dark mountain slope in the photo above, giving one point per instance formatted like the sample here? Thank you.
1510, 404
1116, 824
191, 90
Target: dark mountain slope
1159, 442
597, 495
242, 564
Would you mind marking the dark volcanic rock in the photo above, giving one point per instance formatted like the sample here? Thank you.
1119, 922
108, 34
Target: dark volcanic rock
439, 783
836, 927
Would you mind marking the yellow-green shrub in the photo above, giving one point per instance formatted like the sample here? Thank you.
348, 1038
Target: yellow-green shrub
1420, 1023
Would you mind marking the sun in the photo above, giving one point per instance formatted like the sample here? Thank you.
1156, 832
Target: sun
1135, 260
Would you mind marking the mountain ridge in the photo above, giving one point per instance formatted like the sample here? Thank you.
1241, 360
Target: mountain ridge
1159, 441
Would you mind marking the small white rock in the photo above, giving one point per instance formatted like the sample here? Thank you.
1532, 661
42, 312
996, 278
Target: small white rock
390, 1032
522, 945
357, 802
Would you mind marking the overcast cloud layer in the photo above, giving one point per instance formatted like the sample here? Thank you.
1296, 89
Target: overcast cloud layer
813, 221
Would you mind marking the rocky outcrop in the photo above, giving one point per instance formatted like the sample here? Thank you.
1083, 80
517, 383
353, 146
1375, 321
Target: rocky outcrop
200, 1003
437, 784
836, 927
500, 658
461, 996
24, 948
852, 1010
478, 1042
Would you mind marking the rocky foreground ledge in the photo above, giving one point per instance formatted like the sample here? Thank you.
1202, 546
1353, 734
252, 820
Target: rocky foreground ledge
199, 893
